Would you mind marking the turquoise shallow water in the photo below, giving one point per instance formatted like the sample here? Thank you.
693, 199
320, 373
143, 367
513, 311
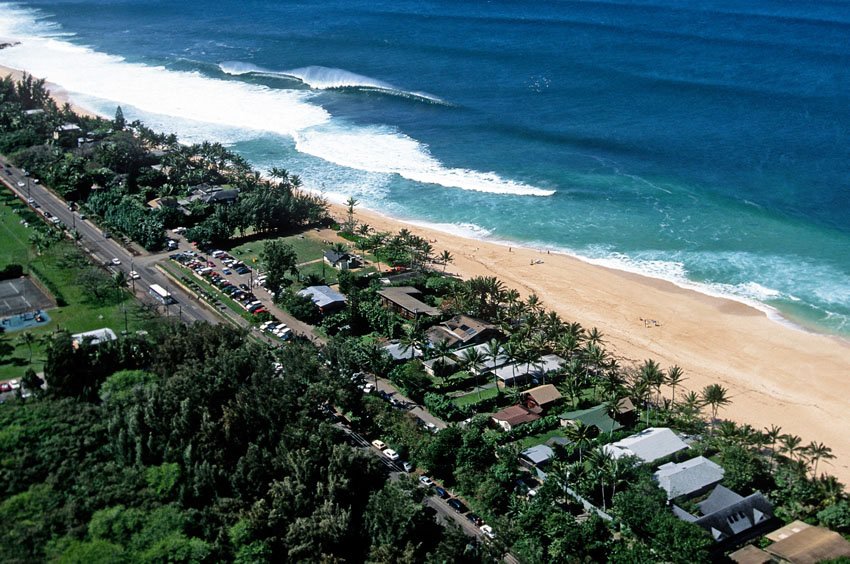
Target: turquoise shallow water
700, 142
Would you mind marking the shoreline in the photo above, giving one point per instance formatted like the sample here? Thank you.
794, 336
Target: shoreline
775, 373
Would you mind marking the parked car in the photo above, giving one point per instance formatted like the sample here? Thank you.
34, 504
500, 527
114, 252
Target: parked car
441, 492
488, 530
116, 261
457, 505
379, 444
408, 467
134, 275
244, 287
5, 387
426, 481
391, 454
474, 518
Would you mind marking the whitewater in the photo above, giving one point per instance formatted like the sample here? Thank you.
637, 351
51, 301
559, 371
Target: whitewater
722, 170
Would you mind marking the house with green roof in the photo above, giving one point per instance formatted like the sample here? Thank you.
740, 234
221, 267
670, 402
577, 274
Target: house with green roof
596, 416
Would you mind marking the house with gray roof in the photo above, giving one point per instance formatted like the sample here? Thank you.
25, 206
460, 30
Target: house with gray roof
731, 518
325, 298
521, 372
649, 445
341, 261
398, 352
688, 478
537, 455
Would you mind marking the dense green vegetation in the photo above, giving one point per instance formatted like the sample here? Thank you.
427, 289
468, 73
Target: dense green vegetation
192, 447
114, 169
86, 295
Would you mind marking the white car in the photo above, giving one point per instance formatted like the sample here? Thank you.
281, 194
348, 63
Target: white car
116, 261
488, 530
134, 275
426, 481
391, 454
379, 444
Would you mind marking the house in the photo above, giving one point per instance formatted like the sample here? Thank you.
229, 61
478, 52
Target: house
536, 456
341, 261
688, 478
166, 202
541, 398
804, 544
512, 416
440, 366
596, 416
750, 555
94, 337
482, 349
402, 300
219, 196
67, 134
326, 299
462, 330
520, 372
731, 518
208, 194
400, 353
648, 445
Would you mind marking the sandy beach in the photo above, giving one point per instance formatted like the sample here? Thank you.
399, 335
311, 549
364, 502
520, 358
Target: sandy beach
57, 92
775, 374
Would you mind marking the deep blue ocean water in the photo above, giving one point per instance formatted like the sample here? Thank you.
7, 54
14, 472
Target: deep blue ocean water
704, 142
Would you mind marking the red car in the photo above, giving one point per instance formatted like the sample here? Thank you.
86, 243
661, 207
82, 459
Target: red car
5, 387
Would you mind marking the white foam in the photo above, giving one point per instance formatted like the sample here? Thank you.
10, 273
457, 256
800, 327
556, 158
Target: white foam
325, 78
191, 97
380, 149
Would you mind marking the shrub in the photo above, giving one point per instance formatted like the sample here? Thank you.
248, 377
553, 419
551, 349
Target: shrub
11, 271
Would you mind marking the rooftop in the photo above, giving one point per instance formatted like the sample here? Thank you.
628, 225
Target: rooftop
810, 545
596, 416
543, 395
322, 296
688, 477
402, 296
538, 454
546, 364
94, 337
514, 415
648, 445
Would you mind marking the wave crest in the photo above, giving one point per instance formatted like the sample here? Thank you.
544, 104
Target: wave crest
327, 78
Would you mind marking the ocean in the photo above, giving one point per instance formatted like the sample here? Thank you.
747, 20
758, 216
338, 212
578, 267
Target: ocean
705, 142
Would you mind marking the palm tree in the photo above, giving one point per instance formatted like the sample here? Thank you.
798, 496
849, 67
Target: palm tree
512, 354
445, 258
715, 396
411, 341
579, 434
472, 360
27, 339
675, 376
789, 445
119, 281
443, 351
772, 435
817, 452
493, 353
690, 407
594, 336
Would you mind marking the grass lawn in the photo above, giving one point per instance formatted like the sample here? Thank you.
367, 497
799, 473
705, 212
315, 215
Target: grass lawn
62, 265
308, 249
473, 397
540, 438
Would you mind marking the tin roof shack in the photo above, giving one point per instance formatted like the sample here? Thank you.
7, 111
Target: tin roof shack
403, 301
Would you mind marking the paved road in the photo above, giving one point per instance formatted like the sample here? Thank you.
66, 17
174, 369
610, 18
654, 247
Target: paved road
104, 250
385, 385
